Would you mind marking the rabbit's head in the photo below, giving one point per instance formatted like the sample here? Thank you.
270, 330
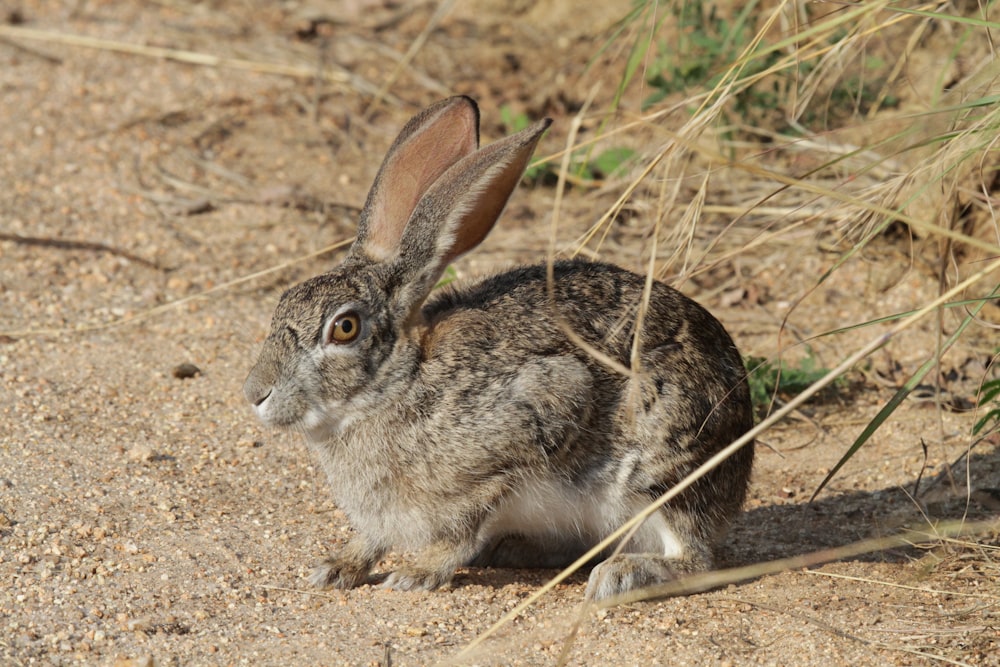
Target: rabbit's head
343, 341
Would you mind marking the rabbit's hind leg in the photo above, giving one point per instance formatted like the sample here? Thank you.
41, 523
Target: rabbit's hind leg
680, 552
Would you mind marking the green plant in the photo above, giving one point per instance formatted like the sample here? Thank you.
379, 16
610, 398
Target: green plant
990, 398
449, 276
768, 380
706, 45
608, 163
703, 49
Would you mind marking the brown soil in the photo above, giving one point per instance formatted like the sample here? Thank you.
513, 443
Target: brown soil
145, 516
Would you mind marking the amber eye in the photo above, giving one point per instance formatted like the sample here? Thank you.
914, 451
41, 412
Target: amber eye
345, 328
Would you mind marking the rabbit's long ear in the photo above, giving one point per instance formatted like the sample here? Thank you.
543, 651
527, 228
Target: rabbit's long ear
458, 211
433, 140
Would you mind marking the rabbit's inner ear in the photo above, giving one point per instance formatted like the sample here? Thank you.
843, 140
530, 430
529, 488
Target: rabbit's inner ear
429, 144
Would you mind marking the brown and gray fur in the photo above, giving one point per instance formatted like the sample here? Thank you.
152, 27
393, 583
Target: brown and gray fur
464, 425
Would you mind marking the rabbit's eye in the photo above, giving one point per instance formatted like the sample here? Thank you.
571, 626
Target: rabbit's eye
345, 328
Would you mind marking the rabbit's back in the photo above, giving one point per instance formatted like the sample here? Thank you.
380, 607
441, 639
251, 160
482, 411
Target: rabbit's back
512, 316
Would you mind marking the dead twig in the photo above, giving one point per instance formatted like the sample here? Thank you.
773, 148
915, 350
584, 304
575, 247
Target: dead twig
64, 244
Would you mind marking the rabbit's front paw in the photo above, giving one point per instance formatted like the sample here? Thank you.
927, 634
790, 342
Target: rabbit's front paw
342, 572
417, 579
628, 572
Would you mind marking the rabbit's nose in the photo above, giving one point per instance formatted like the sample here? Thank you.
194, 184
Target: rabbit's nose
260, 401
256, 392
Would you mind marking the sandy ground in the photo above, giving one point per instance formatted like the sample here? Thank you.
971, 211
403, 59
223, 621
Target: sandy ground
146, 518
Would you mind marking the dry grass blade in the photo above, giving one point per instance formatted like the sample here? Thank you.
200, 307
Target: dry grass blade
441, 11
854, 637
550, 264
193, 57
719, 578
710, 580
901, 394
858, 201
920, 589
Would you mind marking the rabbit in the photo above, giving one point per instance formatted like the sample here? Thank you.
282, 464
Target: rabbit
463, 424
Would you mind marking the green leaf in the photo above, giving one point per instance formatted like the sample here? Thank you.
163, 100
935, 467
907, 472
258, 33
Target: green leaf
612, 160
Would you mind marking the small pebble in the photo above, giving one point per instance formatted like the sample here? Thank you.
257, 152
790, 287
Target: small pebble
186, 371
140, 452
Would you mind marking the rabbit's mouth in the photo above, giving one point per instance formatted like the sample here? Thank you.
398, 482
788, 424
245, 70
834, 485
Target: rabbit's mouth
317, 424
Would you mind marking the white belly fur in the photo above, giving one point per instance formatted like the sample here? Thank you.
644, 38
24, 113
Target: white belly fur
548, 508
